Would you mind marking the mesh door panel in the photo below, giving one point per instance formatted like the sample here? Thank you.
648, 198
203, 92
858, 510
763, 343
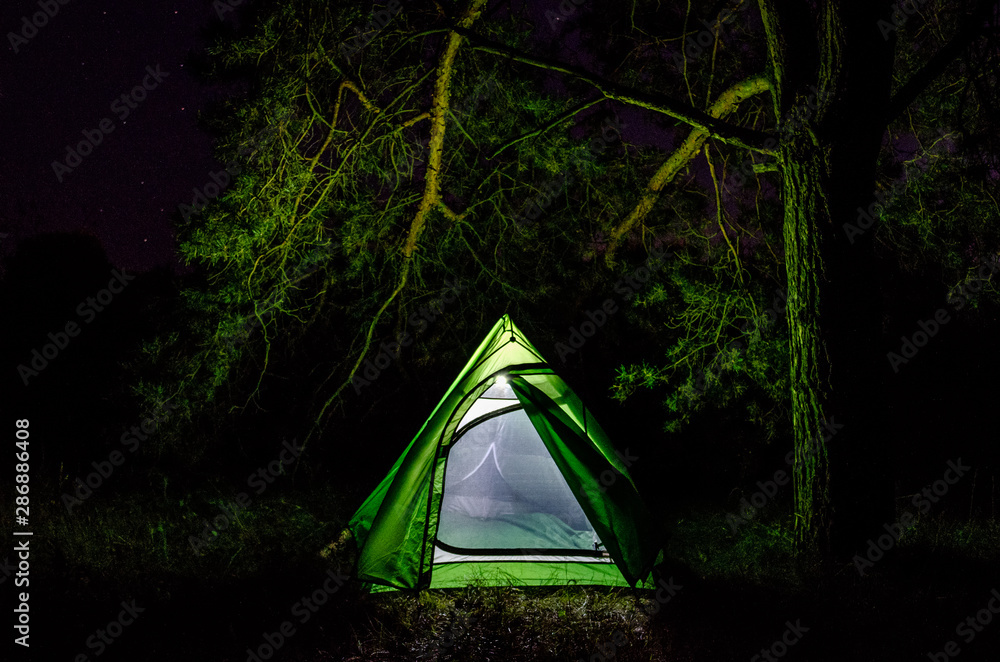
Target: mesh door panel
501, 485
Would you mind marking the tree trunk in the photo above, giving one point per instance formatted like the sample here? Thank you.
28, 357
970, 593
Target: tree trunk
827, 159
851, 303
802, 165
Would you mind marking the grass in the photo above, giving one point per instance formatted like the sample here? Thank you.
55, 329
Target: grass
123, 545
506, 623
759, 553
126, 541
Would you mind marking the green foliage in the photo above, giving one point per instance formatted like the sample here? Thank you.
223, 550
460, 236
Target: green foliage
304, 246
728, 348
760, 553
945, 218
136, 541
941, 168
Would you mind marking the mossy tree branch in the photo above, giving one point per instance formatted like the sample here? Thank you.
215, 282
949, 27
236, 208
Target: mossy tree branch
712, 126
725, 104
431, 198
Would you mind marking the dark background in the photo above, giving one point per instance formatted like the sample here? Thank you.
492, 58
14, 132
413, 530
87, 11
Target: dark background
115, 212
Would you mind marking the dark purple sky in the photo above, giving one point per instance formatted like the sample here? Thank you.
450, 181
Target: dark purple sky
63, 81
66, 79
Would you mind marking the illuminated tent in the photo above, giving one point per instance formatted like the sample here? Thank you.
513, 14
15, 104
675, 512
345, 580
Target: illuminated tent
503, 485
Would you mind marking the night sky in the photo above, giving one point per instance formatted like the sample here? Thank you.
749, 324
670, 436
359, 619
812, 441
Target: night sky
63, 82
70, 76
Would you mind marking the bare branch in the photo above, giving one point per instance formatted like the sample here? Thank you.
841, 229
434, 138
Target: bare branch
554, 123
724, 104
970, 28
431, 198
727, 133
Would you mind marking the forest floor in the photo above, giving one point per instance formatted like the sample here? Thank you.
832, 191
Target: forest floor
243, 598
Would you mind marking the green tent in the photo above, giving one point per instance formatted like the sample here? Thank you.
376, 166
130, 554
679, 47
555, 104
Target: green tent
509, 481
